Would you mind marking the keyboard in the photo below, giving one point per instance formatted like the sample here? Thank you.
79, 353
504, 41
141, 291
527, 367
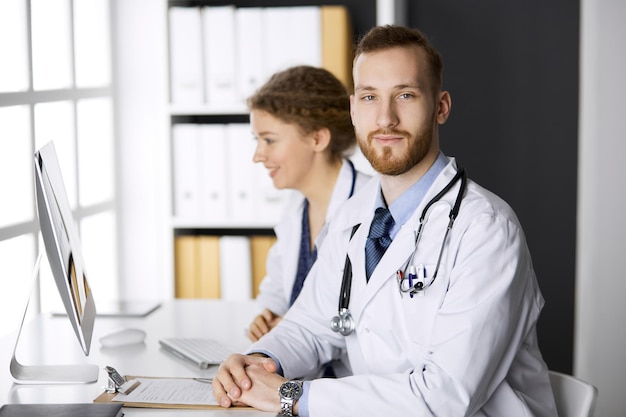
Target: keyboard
200, 351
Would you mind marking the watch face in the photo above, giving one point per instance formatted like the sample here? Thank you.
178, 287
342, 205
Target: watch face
291, 389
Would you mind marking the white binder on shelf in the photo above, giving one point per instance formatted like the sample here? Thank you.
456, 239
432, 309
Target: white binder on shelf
235, 268
250, 41
292, 37
213, 176
186, 72
240, 150
305, 36
276, 27
219, 55
186, 171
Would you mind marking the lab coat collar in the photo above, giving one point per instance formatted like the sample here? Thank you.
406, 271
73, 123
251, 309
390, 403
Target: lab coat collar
360, 211
360, 208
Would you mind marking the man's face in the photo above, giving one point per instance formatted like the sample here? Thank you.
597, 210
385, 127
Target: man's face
395, 109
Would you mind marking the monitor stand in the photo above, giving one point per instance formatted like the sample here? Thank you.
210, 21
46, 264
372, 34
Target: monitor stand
48, 374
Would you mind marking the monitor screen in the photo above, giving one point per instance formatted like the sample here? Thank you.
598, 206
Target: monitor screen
62, 244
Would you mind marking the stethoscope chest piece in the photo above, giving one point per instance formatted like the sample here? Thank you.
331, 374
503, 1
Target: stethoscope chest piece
343, 323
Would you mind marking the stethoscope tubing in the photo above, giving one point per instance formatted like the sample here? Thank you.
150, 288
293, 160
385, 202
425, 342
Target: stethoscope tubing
454, 212
353, 185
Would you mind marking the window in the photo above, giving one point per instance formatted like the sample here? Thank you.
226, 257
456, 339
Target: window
55, 85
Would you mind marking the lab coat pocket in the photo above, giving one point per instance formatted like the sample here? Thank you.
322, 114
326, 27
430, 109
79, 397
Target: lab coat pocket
420, 311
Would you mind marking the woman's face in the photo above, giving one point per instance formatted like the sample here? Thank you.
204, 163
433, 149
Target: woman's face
285, 152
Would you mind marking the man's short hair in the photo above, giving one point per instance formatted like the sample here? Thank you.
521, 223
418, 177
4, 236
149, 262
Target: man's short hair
391, 36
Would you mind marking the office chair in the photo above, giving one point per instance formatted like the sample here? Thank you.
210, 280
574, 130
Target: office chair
574, 397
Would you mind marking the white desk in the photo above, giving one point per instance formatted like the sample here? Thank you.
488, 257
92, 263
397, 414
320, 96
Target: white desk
51, 340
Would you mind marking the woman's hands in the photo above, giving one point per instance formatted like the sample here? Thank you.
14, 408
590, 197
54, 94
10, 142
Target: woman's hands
262, 324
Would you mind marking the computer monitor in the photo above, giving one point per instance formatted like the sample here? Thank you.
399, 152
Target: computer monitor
64, 254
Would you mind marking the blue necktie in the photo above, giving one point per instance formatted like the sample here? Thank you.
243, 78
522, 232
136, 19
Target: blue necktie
378, 240
307, 256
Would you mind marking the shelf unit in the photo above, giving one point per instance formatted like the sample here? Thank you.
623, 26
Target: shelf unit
198, 238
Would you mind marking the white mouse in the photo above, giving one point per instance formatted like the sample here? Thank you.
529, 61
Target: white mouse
122, 337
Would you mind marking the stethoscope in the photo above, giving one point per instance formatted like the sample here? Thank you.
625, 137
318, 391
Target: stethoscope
353, 171
343, 323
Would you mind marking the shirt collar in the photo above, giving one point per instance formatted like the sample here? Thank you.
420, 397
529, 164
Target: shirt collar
405, 205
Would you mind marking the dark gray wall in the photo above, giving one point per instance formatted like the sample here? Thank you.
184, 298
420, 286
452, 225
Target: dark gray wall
512, 70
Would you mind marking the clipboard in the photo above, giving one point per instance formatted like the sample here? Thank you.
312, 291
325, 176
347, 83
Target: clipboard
110, 397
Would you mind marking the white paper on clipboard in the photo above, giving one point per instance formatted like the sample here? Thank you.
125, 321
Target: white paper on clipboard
169, 391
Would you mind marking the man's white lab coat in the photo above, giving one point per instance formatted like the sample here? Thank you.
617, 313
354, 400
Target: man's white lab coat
468, 347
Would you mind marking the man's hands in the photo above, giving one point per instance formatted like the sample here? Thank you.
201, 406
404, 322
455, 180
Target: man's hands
262, 324
248, 379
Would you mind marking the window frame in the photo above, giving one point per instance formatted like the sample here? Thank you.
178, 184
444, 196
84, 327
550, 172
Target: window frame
74, 95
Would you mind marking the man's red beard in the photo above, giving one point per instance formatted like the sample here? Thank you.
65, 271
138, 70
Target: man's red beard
383, 161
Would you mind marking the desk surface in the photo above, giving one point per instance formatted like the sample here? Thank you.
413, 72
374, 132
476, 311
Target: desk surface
51, 340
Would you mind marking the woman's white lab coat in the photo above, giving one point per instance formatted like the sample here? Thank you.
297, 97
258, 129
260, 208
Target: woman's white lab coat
467, 347
282, 259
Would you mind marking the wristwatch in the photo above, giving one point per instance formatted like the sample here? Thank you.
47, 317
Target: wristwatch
289, 393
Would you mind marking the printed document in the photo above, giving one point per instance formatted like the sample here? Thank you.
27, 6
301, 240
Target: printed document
185, 391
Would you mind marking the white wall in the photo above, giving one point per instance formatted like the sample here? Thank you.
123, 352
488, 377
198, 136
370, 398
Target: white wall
600, 332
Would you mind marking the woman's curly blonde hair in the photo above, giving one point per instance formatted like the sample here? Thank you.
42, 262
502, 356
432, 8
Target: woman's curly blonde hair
311, 98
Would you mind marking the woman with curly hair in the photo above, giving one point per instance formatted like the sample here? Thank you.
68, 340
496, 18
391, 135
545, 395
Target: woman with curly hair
301, 120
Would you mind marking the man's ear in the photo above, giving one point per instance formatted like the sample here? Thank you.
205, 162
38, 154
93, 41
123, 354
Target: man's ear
444, 106
352, 108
